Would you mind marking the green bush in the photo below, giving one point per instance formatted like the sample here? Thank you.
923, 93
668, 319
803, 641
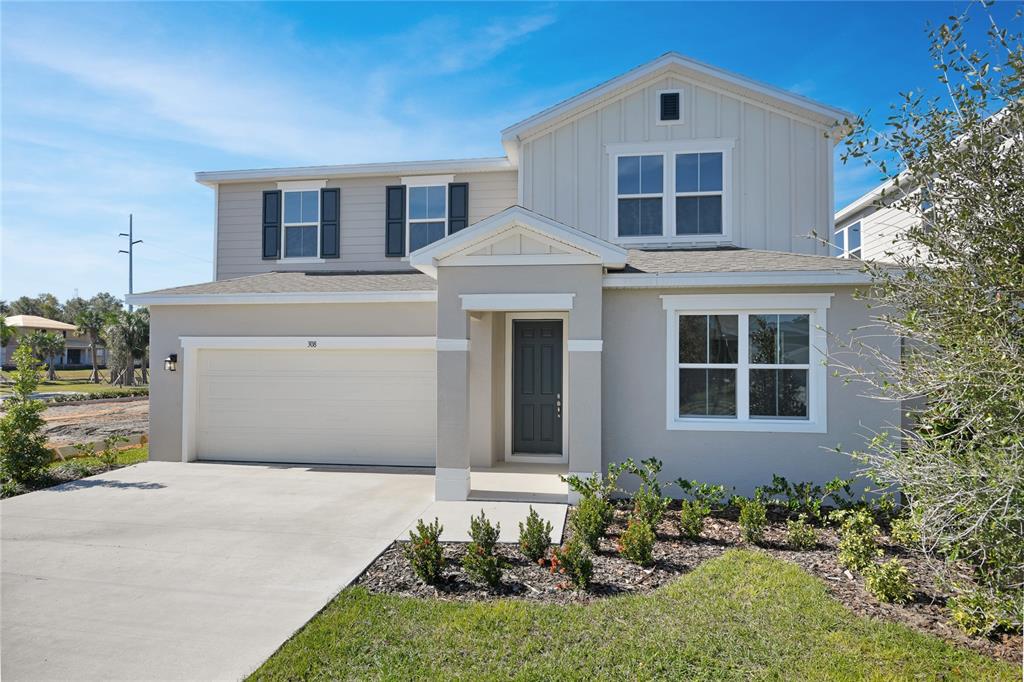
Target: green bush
535, 536
805, 497
637, 543
691, 518
709, 495
753, 520
136, 392
649, 505
979, 614
889, 582
594, 485
424, 551
590, 520
23, 451
904, 531
574, 561
480, 563
800, 535
858, 546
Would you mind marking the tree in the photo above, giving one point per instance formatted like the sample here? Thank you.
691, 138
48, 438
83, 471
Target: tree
73, 308
91, 323
23, 452
106, 303
46, 346
25, 305
6, 333
956, 299
127, 336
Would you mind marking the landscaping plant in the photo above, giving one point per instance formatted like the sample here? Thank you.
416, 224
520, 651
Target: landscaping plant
800, 535
903, 531
424, 551
23, 451
753, 520
595, 485
805, 497
574, 561
535, 537
858, 547
691, 518
649, 505
952, 291
889, 582
480, 562
637, 542
977, 614
590, 520
711, 496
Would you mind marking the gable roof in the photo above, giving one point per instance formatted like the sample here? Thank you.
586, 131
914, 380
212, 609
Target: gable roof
513, 217
36, 322
668, 63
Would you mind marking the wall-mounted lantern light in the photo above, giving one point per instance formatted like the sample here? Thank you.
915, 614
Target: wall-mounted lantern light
171, 362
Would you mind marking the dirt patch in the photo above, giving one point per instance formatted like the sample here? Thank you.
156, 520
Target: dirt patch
674, 556
70, 424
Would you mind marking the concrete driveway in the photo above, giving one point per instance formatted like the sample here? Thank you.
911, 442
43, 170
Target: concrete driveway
186, 571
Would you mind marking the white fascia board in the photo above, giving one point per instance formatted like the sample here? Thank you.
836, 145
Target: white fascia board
482, 165
646, 280
312, 343
525, 303
688, 67
289, 297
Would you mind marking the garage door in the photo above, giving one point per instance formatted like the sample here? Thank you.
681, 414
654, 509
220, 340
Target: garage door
321, 406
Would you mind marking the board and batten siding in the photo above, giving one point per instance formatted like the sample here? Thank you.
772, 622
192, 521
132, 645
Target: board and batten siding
781, 164
362, 222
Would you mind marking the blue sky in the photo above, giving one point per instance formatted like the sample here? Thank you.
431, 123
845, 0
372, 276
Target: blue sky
108, 109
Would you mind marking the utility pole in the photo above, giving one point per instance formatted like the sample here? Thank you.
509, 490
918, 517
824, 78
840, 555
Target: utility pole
131, 249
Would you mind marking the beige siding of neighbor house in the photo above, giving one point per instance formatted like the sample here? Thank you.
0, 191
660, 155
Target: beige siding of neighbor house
169, 323
634, 409
781, 164
239, 222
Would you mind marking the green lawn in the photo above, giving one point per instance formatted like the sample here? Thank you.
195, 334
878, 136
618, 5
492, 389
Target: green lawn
74, 380
744, 615
134, 455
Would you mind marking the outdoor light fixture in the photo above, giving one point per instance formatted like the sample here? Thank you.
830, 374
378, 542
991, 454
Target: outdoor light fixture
171, 362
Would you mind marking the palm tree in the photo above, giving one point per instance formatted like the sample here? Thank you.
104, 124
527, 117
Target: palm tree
46, 346
91, 322
127, 337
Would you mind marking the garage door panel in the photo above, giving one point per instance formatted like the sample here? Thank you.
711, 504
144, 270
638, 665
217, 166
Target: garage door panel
317, 406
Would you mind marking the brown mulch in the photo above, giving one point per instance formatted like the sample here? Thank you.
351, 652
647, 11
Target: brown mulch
390, 573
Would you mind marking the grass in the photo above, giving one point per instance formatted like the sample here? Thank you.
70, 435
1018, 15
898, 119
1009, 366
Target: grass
741, 616
139, 453
76, 380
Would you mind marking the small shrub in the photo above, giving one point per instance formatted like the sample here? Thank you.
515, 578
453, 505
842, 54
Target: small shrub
753, 520
480, 563
535, 536
691, 518
710, 495
590, 520
979, 614
648, 503
23, 451
904, 531
889, 582
805, 497
574, 561
637, 543
424, 551
108, 455
594, 485
857, 545
800, 535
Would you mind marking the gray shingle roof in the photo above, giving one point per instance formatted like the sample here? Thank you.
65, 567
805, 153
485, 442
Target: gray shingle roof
308, 282
732, 260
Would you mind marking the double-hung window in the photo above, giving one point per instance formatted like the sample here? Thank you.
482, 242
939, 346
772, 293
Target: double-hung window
695, 176
846, 241
746, 362
428, 215
301, 223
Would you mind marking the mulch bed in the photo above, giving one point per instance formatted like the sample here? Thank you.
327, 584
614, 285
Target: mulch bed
390, 573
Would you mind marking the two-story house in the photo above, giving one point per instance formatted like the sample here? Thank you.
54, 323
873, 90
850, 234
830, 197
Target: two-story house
634, 278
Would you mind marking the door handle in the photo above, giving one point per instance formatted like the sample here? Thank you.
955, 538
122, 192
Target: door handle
558, 405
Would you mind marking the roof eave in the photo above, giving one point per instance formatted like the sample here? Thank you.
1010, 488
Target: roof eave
479, 165
655, 280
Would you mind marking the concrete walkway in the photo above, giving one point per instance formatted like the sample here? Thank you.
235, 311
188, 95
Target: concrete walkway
186, 571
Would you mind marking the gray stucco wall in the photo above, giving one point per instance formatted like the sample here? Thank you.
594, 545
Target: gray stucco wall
168, 323
634, 386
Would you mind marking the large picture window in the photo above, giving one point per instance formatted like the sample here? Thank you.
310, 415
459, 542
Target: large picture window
301, 224
746, 362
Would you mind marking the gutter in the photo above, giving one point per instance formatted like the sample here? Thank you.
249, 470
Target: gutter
157, 298
649, 280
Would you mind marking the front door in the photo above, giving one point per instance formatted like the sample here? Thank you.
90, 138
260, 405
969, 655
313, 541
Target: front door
537, 387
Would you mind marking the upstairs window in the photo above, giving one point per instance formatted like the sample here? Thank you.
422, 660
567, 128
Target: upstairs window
428, 215
301, 224
640, 191
699, 193
846, 241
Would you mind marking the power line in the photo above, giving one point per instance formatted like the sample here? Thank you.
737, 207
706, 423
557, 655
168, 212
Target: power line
131, 254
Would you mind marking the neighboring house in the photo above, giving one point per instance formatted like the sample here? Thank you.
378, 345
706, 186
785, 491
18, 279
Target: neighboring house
76, 346
634, 278
870, 229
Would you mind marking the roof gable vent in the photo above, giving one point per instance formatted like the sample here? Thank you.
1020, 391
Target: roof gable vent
670, 106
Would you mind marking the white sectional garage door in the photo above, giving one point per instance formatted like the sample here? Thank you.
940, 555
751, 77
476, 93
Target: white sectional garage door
316, 406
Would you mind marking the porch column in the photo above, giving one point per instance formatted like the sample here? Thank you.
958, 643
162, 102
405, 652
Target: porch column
451, 475
584, 408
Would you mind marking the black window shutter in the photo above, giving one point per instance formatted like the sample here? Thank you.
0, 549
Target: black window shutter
669, 106
458, 206
272, 225
394, 226
330, 222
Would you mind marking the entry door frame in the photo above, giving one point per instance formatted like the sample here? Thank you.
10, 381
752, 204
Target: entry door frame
510, 456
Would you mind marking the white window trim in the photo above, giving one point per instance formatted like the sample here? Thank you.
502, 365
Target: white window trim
814, 305
668, 150
657, 104
845, 231
425, 181
301, 187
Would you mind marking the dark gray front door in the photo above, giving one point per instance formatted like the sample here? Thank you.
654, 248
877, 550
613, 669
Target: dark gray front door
537, 386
